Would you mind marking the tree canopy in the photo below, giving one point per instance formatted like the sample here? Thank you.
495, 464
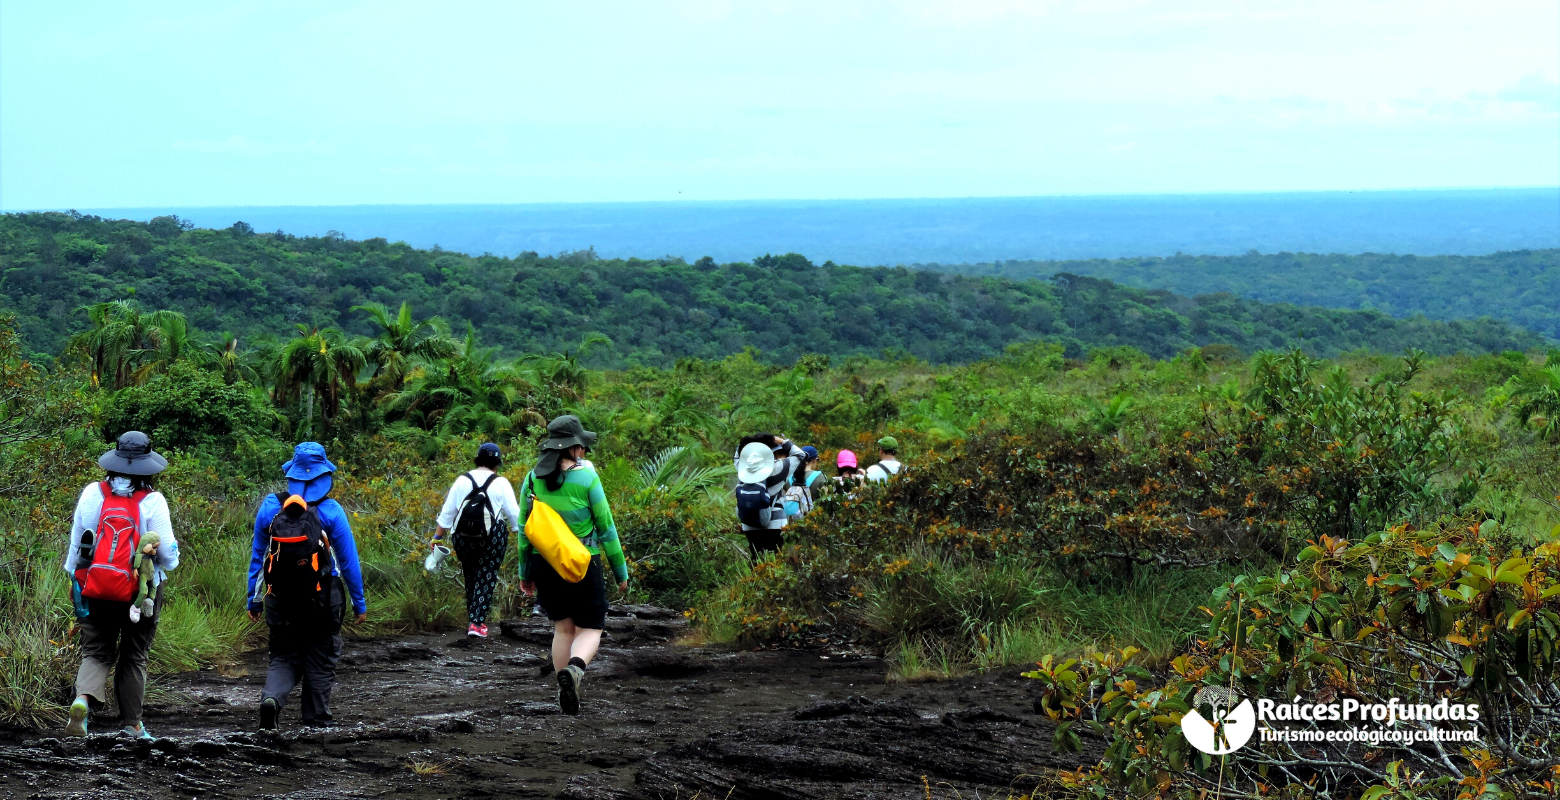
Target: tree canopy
653, 311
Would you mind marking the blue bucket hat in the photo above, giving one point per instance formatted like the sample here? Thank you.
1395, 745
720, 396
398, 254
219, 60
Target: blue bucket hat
309, 472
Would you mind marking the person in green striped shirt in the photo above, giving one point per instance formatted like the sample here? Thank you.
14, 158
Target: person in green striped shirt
570, 486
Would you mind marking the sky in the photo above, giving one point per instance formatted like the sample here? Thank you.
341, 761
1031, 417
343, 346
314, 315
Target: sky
131, 105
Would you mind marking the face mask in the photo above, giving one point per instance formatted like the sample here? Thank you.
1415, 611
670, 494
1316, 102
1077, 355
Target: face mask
120, 486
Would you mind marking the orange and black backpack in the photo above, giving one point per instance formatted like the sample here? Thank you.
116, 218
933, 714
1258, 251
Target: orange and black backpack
298, 563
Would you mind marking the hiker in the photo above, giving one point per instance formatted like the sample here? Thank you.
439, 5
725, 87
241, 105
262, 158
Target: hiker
480, 508
565, 483
303, 552
888, 460
117, 519
762, 481
847, 473
808, 485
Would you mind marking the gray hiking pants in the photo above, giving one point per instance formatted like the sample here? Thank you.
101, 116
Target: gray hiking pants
110, 641
306, 654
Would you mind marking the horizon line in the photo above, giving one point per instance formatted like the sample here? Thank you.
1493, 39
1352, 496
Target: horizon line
780, 200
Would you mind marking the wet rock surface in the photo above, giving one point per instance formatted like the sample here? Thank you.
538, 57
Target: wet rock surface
440, 716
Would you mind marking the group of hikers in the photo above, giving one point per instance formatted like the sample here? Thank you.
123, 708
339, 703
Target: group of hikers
779, 481
304, 570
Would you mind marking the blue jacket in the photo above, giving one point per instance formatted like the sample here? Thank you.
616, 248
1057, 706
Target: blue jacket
334, 519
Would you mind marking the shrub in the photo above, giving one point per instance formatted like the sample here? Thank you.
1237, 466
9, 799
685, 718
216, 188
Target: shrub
1424, 616
190, 408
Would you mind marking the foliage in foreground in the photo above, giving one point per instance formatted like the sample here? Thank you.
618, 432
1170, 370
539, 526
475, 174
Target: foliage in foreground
1450, 613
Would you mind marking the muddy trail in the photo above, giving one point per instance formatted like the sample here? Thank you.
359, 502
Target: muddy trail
439, 716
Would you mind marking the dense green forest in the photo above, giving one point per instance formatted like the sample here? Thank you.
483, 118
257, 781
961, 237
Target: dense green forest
1518, 287
255, 286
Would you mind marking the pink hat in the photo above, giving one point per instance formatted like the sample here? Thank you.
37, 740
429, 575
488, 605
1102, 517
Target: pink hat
845, 459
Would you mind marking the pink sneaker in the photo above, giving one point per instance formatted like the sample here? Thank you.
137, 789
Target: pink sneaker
477, 631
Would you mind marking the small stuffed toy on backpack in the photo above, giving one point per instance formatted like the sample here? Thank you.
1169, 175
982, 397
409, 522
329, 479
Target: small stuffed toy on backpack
145, 568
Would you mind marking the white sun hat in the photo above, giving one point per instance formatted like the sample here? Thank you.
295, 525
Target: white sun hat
755, 462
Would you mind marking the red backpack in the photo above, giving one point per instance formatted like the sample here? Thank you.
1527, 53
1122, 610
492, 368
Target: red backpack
108, 576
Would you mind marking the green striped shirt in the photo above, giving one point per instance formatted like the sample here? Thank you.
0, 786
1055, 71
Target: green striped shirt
583, 505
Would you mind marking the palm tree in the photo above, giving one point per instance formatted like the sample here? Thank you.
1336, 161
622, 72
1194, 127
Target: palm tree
403, 340
473, 392
673, 474
563, 372
235, 362
318, 361
171, 340
672, 417
121, 337
1537, 398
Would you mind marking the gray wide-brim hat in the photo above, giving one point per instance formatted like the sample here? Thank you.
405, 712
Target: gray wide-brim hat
566, 432
133, 455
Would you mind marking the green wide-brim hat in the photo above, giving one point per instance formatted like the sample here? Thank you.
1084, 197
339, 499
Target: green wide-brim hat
566, 432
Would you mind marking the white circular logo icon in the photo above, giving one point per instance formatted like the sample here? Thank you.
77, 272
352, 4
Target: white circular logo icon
1229, 729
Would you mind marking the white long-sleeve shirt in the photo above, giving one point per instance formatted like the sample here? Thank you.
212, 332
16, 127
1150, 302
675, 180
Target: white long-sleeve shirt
500, 494
154, 518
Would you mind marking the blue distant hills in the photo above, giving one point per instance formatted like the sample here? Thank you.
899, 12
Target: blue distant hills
947, 231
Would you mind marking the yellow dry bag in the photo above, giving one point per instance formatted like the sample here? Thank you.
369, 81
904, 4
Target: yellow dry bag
552, 537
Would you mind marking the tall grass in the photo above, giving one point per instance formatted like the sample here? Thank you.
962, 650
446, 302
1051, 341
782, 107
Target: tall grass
945, 617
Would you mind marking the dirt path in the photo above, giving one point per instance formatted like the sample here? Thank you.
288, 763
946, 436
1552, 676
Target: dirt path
660, 720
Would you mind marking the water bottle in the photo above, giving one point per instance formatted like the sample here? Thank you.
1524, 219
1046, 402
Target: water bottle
77, 600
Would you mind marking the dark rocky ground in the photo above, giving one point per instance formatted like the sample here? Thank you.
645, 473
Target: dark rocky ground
441, 716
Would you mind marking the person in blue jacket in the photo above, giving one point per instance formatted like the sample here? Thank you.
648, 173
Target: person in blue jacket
303, 553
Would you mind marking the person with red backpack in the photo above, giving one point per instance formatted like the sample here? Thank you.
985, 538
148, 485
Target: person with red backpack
303, 552
111, 518
481, 509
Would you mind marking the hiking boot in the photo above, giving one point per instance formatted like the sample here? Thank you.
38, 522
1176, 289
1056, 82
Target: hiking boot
268, 714
476, 631
569, 681
78, 718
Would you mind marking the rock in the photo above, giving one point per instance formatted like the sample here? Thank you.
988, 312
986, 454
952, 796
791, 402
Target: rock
458, 725
666, 664
978, 714
645, 612
524, 631
519, 660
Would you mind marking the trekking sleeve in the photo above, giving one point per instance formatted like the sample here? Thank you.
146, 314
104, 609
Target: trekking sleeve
345, 549
452, 501
521, 542
503, 495
334, 519
156, 518
268, 509
606, 530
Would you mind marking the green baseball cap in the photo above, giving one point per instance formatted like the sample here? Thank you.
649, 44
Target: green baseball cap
888, 443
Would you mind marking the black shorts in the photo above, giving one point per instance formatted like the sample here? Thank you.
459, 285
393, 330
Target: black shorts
585, 602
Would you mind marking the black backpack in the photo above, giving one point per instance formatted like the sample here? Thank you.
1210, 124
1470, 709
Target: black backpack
753, 504
476, 520
298, 563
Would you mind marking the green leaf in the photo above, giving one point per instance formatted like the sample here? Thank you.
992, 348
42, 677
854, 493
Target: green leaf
1468, 663
1299, 614
1447, 551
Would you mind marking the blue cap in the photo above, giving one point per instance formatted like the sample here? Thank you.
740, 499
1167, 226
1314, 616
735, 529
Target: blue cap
812, 452
489, 449
308, 462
